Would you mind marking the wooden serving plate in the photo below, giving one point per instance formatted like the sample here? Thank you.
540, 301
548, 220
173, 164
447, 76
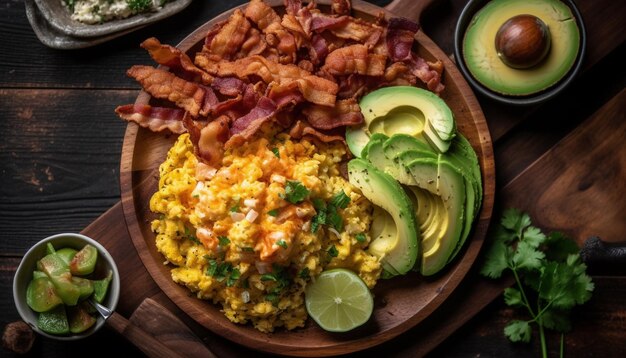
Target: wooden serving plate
400, 303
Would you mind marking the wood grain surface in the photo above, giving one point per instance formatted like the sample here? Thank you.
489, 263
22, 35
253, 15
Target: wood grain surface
60, 146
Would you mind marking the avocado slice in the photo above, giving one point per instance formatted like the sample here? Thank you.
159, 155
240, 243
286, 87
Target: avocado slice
398, 254
441, 178
404, 109
481, 58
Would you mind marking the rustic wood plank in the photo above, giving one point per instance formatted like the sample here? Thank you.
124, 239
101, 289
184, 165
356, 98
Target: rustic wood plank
59, 164
597, 327
536, 133
578, 186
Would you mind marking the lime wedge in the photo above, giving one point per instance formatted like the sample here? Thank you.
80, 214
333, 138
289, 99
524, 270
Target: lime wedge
339, 300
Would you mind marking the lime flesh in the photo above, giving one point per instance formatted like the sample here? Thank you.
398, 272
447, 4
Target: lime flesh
339, 300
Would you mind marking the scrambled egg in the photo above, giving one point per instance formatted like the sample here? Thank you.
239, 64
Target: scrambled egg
252, 233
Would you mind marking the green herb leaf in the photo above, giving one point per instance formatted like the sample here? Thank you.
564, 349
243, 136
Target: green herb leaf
273, 212
496, 260
333, 218
515, 221
304, 273
191, 236
235, 274
518, 331
223, 240
534, 237
282, 243
139, 5
527, 257
340, 200
513, 297
557, 320
332, 251
559, 247
295, 192
360, 237
276, 152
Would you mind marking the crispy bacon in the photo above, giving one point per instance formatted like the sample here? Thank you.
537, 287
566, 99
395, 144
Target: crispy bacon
431, 76
302, 129
155, 119
268, 21
321, 22
165, 85
359, 30
230, 36
209, 140
354, 59
229, 86
176, 60
314, 89
254, 44
400, 36
341, 7
292, 6
345, 113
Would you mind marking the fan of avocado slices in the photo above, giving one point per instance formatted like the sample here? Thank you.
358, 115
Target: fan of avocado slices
420, 173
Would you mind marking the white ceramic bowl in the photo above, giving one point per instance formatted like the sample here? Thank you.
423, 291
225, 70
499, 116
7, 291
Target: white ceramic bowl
24, 275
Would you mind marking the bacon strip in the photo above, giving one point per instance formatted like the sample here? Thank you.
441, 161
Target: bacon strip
208, 141
230, 37
314, 89
302, 129
354, 59
155, 119
269, 23
165, 85
400, 37
345, 113
430, 76
176, 60
341, 7
359, 30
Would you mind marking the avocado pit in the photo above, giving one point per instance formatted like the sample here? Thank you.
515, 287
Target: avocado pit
522, 41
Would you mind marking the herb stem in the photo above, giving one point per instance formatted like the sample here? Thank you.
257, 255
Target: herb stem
521, 289
562, 349
544, 349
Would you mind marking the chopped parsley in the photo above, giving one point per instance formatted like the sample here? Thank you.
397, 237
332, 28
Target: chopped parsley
139, 5
360, 237
222, 271
223, 240
276, 152
273, 212
191, 236
235, 208
548, 266
247, 249
304, 273
327, 214
282, 244
281, 280
295, 192
340, 200
332, 252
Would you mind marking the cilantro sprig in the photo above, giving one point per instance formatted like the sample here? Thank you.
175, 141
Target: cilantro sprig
295, 192
549, 273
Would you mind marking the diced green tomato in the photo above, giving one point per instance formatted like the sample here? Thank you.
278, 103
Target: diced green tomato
41, 295
54, 321
79, 318
84, 285
66, 288
38, 274
84, 262
66, 254
101, 287
52, 265
50, 249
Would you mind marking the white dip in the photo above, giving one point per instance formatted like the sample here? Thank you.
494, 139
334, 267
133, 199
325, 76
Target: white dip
97, 11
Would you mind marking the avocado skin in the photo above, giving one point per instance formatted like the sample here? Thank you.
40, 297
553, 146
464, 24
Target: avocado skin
481, 58
401, 254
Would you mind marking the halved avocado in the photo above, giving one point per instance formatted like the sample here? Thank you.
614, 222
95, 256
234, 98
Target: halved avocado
481, 58
404, 109
398, 254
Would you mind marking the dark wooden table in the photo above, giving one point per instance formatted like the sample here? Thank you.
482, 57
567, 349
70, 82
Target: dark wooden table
563, 161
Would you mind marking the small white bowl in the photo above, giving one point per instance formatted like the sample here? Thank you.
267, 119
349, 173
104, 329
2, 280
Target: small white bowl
24, 275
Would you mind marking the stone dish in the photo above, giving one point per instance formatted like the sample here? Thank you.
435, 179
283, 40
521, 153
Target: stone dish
58, 16
53, 38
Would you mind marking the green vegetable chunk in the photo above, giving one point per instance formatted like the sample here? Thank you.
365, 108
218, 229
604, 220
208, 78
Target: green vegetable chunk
101, 287
54, 321
84, 262
79, 318
49, 248
53, 266
66, 254
41, 295
85, 286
